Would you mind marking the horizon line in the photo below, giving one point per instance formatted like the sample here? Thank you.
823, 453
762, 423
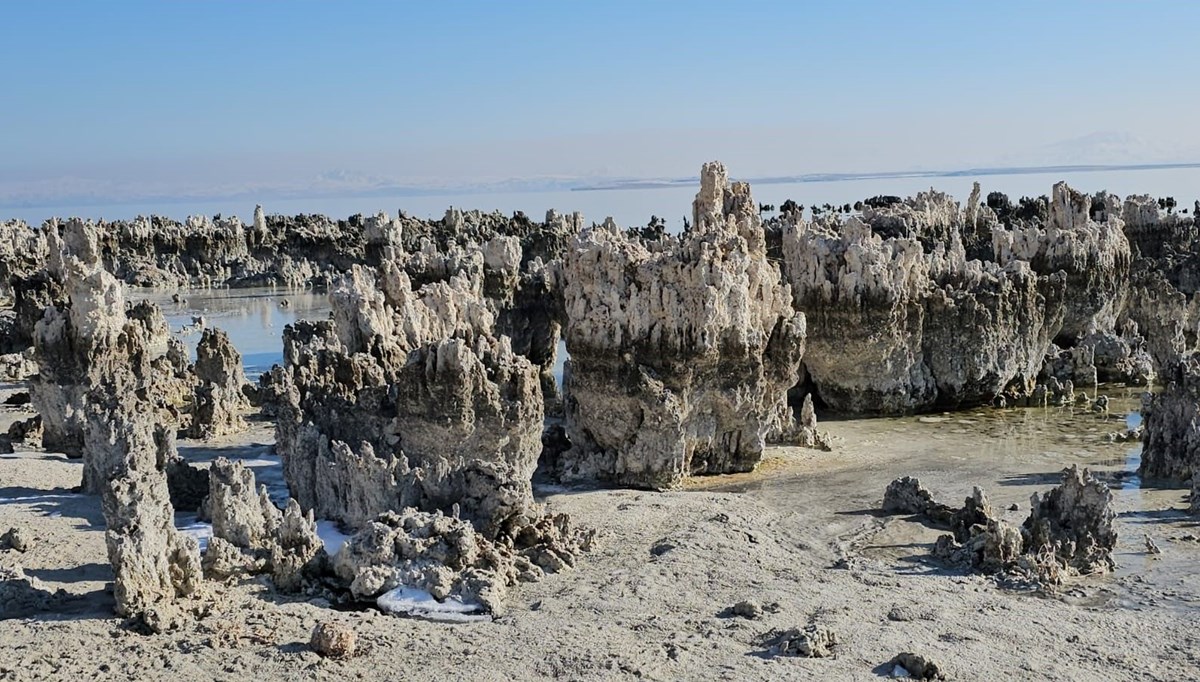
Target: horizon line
531, 185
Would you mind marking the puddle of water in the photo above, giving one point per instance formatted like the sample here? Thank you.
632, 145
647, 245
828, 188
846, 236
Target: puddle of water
1011, 454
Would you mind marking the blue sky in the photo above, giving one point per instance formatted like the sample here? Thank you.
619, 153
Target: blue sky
218, 97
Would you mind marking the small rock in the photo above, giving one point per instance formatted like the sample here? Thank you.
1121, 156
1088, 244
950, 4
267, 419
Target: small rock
161, 618
747, 609
26, 430
902, 614
333, 640
661, 548
814, 641
917, 667
1151, 546
907, 496
1014, 507
16, 538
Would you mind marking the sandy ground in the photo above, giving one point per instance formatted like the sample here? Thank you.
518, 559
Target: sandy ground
800, 537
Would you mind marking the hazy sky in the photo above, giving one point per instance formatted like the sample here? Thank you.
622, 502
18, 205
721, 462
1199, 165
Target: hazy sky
215, 97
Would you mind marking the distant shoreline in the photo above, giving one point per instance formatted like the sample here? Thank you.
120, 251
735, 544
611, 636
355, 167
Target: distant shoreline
885, 175
250, 197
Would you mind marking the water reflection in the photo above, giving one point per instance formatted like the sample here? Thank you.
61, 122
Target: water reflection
254, 318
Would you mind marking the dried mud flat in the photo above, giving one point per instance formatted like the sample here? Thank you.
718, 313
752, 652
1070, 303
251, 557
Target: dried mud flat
799, 538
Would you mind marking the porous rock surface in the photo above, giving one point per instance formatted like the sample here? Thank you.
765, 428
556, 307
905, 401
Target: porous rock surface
219, 399
1069, 530
507, 258
918, 666
904, 323
407, 399
23, 251
682, 350
408, 420
510, 263
1194, 507
90, 335
333, 640
1165, 280
251, 535
812, 641
1093, 253
447, 557
907, 496
99, 363
154, 564
1171, 434
1073, 524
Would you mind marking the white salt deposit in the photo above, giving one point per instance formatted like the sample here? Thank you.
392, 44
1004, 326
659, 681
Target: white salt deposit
188, 525
420, 604
332, 537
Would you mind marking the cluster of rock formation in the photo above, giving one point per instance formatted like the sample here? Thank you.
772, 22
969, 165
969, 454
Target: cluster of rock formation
407, 416
202, 251
1164, 303
251, 535
919, 304
407, 398
898, 326
1171, 437
508, 262
101, 365
417, 415
682, 349
1069, 530
206, 400
23, 251
89, 336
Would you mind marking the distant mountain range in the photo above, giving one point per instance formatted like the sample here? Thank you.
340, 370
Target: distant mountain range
1101, 148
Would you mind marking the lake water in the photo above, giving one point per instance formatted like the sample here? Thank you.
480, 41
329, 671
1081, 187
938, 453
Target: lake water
635, 206
254, 318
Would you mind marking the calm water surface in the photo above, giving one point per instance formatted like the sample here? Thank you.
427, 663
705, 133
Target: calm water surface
254, 318
635, 206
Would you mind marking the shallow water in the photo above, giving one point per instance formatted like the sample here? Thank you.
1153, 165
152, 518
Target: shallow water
1011, 454
254, 318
